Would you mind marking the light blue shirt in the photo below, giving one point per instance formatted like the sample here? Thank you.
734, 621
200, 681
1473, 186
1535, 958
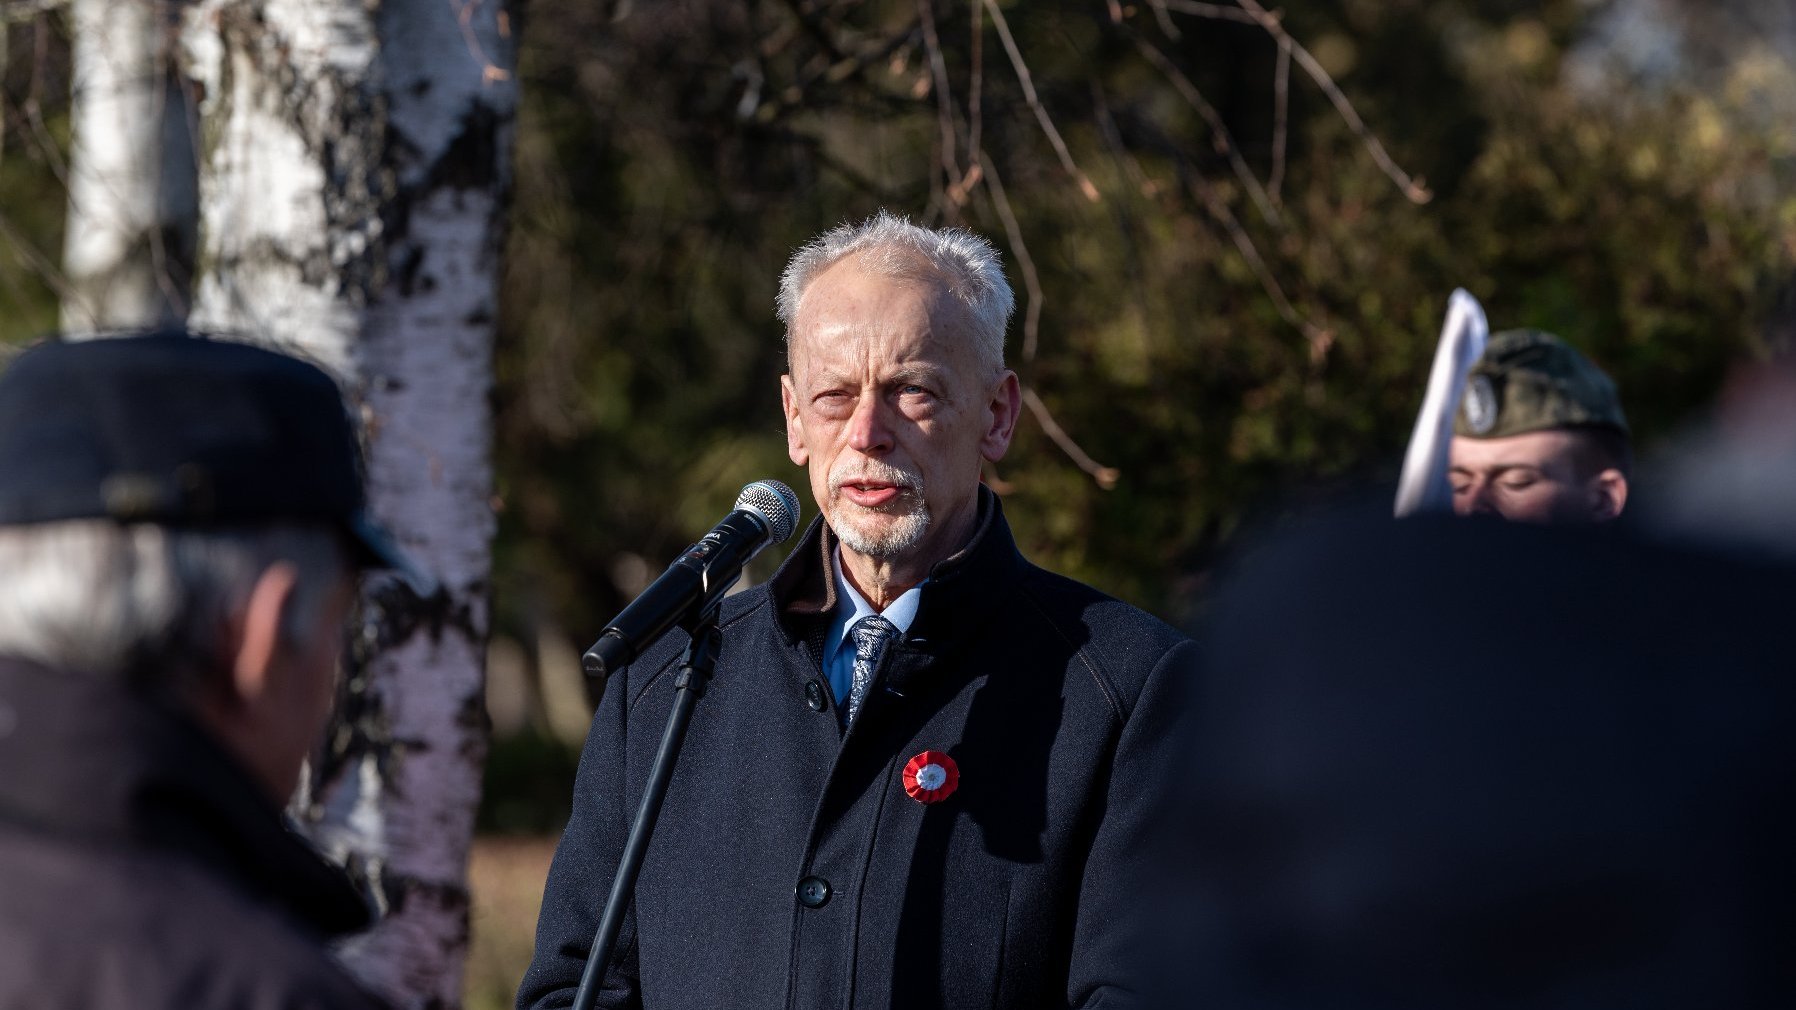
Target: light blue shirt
851, 606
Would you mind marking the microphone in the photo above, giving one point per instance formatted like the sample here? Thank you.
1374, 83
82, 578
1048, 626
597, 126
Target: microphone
766, 512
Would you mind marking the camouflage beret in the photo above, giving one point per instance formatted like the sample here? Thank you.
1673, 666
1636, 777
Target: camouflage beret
1529, 380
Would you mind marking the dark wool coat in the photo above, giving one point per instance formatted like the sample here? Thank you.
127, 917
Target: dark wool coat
791, 868
1443, 763
141, 867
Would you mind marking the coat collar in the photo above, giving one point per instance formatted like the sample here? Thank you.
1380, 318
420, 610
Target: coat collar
84, 759
957, 595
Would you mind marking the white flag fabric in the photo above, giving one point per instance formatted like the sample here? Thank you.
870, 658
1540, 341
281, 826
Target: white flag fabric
1423, 485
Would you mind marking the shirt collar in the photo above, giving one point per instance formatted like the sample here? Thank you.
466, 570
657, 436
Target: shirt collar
959, 589
851, 606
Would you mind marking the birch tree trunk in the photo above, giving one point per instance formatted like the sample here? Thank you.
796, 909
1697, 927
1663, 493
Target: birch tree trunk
353, 178
128, 251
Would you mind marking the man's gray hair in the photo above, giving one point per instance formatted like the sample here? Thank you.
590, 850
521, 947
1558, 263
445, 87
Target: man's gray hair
147, 603
888, 245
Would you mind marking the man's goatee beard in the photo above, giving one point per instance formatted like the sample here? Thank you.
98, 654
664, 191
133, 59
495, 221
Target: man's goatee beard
904, 532
906, 528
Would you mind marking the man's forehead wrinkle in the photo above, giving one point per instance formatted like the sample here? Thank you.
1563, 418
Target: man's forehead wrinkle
858, 361
887, 342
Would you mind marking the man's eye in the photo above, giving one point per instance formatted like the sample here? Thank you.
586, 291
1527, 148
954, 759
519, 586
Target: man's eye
913, 390
1518, 483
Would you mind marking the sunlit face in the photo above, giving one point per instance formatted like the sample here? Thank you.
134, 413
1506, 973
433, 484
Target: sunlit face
1534, 477
891, 410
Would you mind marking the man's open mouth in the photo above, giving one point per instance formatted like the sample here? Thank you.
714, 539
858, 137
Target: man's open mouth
870, 493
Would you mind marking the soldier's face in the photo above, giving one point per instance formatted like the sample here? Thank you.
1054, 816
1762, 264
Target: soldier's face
892, 411
1535, 477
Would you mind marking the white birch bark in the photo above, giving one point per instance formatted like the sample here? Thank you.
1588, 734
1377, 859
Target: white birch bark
128, 249
355, 165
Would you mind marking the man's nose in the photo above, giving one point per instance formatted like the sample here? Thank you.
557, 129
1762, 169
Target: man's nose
1477, 501
869, 429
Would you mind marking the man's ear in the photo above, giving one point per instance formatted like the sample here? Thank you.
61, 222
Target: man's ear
1608, 492
795, 447
1006, 405
256, 632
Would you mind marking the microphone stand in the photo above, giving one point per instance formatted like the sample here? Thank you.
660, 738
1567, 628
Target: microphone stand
689, 686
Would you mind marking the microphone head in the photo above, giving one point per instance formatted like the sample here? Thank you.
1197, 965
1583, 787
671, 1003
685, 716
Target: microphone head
775, 504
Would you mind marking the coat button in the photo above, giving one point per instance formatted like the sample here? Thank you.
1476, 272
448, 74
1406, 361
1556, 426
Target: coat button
813, 892
813, 696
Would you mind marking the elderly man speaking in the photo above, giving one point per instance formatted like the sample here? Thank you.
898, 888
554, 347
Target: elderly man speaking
923, 774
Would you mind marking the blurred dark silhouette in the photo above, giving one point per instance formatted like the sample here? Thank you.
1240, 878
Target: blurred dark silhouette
1476, 764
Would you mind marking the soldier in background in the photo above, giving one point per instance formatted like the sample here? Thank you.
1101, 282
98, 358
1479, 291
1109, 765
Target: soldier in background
181, 525
1540, 435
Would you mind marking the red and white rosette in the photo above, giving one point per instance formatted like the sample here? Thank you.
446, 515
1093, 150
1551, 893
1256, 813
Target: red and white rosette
931, 777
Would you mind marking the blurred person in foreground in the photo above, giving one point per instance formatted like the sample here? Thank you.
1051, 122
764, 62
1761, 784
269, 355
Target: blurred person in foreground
1730, 481
1540, 435
1448, 764
180, 529
921, 775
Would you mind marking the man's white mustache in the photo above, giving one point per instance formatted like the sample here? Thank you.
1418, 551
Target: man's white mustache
861, 471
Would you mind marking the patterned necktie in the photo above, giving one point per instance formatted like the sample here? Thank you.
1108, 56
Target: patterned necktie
871, 634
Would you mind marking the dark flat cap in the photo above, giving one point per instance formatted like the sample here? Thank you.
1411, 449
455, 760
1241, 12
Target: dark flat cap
182, 430
1530, 380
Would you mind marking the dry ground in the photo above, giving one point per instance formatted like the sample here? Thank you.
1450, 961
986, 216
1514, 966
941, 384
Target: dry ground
506, 875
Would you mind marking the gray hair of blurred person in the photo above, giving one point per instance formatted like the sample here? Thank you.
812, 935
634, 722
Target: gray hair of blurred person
890, 246
151, 604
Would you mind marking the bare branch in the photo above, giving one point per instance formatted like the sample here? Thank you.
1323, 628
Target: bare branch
33, 111
9, 279
1105, 476
1025, 262
1146, 187
963, 190
820, 150
1221, 138
976, 82
1200, 187
848, 67
1041, 112
1164, 19
816, 29
802, 95
1119, 149
1413, 188
1216, 12
1281, 113
994, 480
36, 261
938, 68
